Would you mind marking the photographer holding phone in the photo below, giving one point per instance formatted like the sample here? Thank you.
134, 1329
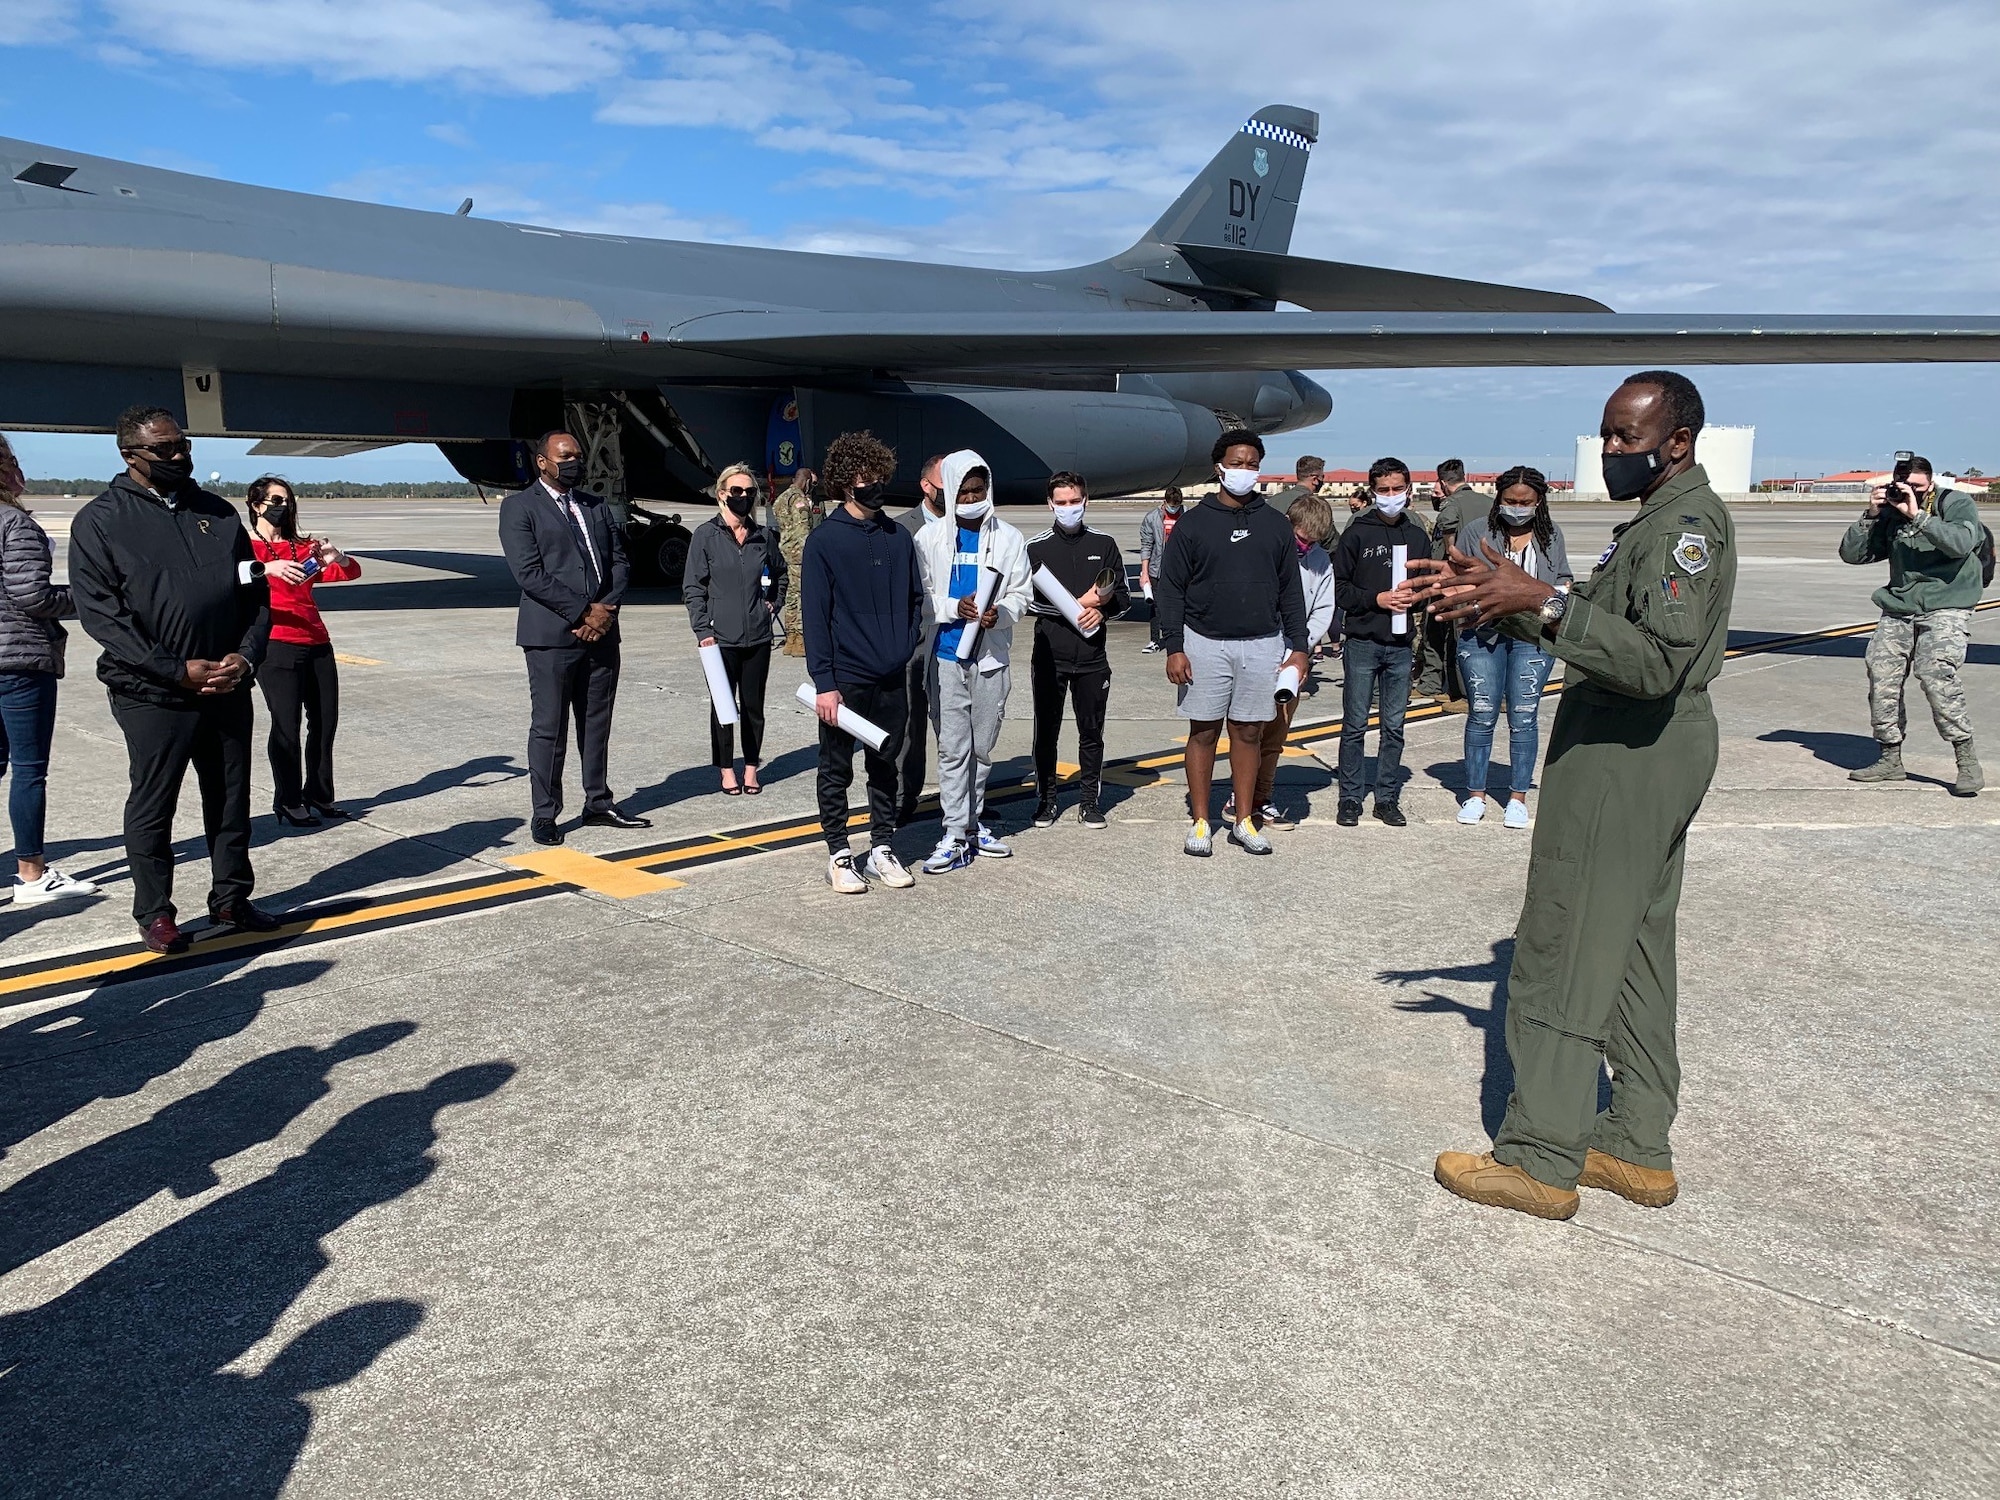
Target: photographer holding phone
1930, 539
299, 678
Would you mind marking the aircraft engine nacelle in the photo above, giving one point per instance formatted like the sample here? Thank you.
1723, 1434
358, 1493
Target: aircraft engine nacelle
1121, 441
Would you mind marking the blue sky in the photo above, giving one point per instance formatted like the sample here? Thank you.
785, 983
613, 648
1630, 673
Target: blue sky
1712, 157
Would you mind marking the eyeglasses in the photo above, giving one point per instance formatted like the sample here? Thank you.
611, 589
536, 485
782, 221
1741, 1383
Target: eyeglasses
174, 449
736, 493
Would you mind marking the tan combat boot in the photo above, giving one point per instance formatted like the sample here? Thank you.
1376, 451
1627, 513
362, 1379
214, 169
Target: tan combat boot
1888, 768
1649, 1187
1484, 1180
1970, 777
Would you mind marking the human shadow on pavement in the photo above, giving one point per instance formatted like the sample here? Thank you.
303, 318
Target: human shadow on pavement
1848, 751
446, 778
115, 1041
177, 1150
398, 859
121, 1386
1496, 1083
691, 782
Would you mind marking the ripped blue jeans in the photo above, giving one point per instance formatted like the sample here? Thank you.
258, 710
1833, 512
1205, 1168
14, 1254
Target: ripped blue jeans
1516, 672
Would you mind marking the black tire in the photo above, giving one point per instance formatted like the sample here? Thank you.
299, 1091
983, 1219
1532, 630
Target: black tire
673, 556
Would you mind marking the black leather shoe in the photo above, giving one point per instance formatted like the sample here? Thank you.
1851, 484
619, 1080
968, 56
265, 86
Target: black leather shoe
244, 917
163, 935
545, 831
611, 817
1392, 814
1349, 815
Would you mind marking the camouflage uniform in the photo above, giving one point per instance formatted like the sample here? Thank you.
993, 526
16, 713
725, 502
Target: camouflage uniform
1930, 647
1926, 608
797, 514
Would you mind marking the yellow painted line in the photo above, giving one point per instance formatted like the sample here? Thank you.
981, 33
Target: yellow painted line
593, 874
356, 661
100, 967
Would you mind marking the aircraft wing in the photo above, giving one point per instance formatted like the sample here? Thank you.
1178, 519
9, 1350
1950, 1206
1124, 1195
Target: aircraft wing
927, 343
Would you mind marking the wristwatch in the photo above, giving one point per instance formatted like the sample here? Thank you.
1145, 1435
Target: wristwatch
1553, 609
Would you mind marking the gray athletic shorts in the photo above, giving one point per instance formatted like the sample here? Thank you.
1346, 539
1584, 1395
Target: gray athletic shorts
1232, 679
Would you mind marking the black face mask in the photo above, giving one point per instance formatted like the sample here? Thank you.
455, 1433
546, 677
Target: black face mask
870, 496
165, 475
1629, 475
739, 505
569, 473
277, 513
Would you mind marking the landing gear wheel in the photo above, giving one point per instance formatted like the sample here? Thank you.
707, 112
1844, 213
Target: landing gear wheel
673, 556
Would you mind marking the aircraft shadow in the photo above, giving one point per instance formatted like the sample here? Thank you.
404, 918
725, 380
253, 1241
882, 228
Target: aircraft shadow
120, 1386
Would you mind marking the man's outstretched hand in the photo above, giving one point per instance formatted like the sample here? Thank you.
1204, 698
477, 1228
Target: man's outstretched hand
1473, 591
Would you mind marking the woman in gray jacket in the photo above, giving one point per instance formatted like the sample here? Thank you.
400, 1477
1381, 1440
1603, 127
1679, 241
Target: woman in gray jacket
733, 587
31, 659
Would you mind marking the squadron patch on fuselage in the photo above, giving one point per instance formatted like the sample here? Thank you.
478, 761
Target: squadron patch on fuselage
1691, 552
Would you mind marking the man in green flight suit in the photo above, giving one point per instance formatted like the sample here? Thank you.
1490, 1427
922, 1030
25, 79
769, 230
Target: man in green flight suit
1630, 759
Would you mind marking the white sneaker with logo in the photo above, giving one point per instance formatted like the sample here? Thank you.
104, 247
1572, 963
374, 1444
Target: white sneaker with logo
885, 867
843, 877
53, 886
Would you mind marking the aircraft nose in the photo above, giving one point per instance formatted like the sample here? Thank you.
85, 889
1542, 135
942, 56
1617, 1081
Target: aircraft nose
1315, 402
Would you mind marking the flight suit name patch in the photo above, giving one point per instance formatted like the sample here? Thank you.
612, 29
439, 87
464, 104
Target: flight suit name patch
1691, 552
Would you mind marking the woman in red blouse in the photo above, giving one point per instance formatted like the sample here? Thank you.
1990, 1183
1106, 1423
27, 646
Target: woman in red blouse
298, 676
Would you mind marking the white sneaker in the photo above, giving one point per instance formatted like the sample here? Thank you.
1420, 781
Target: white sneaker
53, 886
843, 877
952, 853
1517, 815
990, 845
885, 867
1472, 810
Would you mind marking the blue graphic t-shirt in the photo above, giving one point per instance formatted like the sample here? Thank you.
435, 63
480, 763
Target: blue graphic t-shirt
964, 583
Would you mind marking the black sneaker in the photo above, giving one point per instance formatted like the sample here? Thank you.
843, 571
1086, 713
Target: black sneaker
1090, 817
1390, 813
1349, 815
1046, 813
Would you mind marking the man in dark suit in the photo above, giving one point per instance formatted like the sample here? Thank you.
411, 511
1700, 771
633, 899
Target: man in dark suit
568, 556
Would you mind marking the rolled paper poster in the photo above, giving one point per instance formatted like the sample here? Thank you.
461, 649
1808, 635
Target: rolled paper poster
1051, 589
871, 735
1288, 685
718, 684
1148, 587
982, 600
1399, 573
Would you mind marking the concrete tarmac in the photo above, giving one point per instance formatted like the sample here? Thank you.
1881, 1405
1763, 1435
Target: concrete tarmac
1094, 1171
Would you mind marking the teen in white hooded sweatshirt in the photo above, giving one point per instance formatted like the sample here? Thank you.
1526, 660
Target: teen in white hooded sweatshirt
969, 698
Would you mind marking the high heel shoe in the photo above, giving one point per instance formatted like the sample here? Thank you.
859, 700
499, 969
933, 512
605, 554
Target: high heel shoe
303, 818
331, 813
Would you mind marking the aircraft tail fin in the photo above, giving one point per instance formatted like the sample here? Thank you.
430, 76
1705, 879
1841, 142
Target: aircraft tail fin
1247, 198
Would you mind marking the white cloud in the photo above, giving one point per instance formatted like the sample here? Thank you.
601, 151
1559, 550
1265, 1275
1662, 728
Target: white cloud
450, 134
408, 41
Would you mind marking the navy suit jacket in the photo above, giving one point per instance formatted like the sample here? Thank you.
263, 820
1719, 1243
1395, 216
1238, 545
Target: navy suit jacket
547, 561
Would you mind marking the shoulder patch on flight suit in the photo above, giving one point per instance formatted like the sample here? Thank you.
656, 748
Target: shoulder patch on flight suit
1691, 552
1605, 556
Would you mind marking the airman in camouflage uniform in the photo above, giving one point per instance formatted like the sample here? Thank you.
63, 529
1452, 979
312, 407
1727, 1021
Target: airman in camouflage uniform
1930, 539
797, 514
1630, 758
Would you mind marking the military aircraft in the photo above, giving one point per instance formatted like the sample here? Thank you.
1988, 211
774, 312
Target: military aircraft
327, 326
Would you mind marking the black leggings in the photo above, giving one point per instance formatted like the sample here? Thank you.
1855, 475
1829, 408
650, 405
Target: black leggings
301, 681
747, 667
